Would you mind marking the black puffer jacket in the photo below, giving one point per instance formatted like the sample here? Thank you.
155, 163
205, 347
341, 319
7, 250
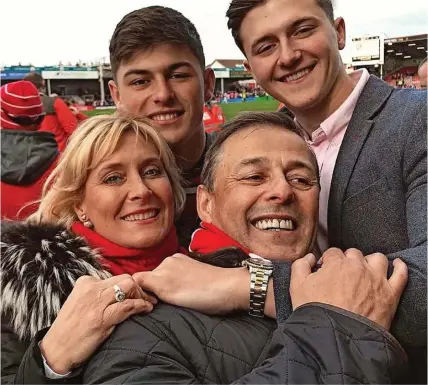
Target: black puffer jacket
39, 266
317, 344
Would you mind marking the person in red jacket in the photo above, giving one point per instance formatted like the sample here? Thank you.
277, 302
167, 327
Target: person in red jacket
59, 119
28, 155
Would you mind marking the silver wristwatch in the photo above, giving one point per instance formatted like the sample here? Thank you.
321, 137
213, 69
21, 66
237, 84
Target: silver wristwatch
260, 271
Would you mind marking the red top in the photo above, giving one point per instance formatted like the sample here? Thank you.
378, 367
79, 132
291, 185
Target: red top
122, 260
209, 238
62, 124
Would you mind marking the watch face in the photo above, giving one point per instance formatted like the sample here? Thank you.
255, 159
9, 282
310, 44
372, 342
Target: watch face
260, 261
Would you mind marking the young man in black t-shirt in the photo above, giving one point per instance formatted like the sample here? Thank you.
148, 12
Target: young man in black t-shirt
159, 72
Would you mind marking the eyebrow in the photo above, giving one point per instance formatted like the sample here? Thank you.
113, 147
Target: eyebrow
264, 160
115, 165
170, 68
251, 161
292, 25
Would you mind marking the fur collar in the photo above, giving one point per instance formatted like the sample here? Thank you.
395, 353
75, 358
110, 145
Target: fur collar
39, 267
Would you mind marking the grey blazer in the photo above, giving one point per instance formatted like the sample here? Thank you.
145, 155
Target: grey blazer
378, 197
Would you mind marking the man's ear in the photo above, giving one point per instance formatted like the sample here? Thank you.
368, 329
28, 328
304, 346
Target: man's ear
247, 65
204, 204
340, 27
114, 92
209, 84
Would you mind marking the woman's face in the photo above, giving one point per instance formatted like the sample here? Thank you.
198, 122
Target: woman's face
128, 196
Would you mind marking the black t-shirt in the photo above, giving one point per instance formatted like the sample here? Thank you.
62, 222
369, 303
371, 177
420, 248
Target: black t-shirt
189, 220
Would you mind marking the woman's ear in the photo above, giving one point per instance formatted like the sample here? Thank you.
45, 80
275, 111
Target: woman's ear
204, 203
80, 211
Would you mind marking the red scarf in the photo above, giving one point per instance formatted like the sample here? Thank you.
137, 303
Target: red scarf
208, 238
122, 260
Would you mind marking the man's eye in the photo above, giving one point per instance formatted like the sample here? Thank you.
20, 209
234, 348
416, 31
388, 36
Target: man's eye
304, 31
180, 75
113, 179
301, 183
140, 82
254, 178
265, 48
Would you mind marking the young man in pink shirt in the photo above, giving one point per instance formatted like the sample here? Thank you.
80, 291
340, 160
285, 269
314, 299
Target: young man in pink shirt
369, 139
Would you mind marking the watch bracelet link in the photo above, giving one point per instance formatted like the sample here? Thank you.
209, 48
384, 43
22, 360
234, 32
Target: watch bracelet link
258, 291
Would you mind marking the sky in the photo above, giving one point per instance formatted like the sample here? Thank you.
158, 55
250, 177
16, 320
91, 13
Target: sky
46, 32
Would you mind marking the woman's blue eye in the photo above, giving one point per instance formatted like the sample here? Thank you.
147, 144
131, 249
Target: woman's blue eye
152, 172
114, 179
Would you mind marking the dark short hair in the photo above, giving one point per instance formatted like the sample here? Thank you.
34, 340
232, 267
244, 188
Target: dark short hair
238, 9
151, 26
36, 79
243, 121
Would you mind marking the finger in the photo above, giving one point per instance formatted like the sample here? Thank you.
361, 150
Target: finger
105, 283
120, 311
332, 255
378, 263
149, 280
148, 297
399, 277
301, 268
354, 254
127, 285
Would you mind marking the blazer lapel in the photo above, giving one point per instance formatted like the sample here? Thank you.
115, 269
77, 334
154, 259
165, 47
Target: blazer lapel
374, 96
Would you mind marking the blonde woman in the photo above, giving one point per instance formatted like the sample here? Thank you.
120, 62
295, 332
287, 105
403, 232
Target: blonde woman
107, 211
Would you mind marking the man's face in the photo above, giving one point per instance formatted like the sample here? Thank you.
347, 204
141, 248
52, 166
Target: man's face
166, 84
265, 193
292, 50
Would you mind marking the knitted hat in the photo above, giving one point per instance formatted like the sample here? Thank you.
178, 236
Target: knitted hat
21, 106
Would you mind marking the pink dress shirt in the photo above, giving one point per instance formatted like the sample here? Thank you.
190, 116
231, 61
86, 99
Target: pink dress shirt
326, 142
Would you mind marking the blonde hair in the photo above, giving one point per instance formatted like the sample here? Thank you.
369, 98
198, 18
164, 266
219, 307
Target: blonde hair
96, 139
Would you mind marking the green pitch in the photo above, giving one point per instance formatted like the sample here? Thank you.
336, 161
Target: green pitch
230, 109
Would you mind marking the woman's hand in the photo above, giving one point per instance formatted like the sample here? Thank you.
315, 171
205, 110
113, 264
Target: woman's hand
88, 317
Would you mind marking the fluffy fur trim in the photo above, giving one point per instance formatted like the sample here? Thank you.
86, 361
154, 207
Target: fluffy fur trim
39, 267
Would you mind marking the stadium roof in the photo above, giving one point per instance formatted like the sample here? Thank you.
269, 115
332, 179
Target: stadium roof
406, 47
228, 63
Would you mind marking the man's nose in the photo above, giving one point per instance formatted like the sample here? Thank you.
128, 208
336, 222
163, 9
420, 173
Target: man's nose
288, 54
163, 92
280, 190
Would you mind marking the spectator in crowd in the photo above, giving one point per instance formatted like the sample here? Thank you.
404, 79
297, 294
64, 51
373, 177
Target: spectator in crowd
28, 154
107, 209
423, 73
59, 119
369, 139
80, 116
260, 195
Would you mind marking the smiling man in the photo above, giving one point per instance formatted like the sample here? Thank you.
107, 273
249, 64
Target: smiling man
158, 67
261, 187
369, 140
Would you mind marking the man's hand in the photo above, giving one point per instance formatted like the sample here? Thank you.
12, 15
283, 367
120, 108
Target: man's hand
88, 317
183, 281
350, 281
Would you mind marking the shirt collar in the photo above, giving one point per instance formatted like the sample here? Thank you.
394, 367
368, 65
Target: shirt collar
340, 119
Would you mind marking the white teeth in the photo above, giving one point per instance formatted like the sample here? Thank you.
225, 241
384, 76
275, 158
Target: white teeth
275, 224
297, 75
140, 217
162, 117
